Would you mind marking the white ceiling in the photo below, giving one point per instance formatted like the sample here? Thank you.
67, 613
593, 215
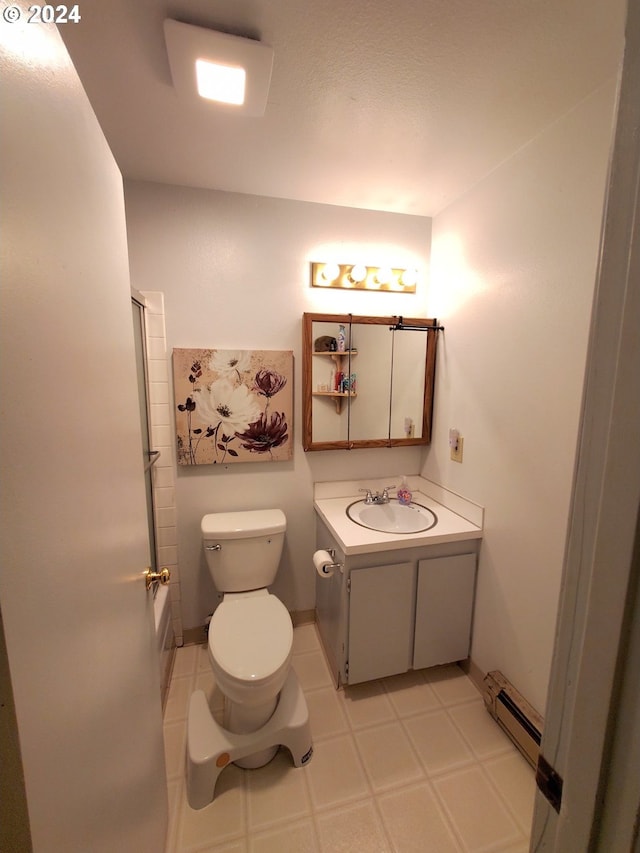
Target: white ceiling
397, 105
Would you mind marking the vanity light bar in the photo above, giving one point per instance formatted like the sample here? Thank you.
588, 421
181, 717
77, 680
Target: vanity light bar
361, 277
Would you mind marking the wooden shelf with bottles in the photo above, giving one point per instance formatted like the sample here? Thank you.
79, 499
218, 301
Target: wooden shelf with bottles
338, 357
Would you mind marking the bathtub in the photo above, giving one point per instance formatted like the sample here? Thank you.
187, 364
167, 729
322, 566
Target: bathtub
165, 642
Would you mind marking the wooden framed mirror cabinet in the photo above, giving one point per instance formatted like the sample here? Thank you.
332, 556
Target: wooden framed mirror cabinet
367, 381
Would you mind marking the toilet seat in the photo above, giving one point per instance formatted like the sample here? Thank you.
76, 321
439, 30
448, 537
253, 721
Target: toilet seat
250, 639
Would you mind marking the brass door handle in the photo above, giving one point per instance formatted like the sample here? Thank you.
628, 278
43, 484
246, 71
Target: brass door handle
163, 577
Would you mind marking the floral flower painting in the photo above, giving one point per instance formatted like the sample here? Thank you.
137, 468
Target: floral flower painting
233, 405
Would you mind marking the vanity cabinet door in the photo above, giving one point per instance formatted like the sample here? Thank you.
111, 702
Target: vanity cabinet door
444, 608
380, 621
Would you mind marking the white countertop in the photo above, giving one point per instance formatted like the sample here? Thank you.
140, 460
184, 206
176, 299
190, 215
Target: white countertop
355, 539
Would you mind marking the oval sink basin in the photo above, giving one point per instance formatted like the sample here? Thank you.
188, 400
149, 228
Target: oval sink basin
392, 517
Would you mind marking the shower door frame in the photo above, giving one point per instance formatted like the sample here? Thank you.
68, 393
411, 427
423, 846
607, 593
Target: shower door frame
150, 457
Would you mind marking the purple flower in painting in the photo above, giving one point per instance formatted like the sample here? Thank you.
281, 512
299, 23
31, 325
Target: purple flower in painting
268, 382
261, 436
187, 406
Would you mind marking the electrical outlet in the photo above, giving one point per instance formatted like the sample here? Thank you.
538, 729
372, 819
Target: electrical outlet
456, 451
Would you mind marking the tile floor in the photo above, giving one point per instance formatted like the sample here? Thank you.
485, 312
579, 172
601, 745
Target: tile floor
408, 763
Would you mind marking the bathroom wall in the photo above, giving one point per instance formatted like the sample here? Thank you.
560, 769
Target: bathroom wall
234, 270
513, 273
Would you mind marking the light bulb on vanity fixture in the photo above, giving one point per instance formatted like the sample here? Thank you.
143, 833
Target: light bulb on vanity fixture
383, 275
382, 279
329, 273
408, 278
358, 274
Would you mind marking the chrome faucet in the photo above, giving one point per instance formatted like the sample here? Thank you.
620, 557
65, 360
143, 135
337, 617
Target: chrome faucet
377, 497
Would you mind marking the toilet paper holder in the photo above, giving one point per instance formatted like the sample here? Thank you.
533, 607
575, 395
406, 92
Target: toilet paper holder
332, 553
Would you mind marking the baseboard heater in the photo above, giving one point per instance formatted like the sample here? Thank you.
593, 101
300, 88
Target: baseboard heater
514, 715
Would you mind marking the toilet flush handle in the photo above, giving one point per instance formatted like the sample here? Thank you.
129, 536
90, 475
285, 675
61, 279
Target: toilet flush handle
216, 547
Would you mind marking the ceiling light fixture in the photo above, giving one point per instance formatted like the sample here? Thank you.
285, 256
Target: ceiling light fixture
220, 68
220, 82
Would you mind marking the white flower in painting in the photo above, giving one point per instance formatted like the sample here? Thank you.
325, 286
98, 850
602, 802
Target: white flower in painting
222, 403
227, 361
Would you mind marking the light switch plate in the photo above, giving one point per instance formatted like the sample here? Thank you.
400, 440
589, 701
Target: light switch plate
456, 452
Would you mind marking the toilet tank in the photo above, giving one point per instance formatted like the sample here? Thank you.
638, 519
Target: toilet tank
243, 549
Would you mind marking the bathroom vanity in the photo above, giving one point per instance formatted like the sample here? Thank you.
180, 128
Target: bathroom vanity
397, 601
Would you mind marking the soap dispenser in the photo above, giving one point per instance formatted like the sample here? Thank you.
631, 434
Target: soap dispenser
403, 492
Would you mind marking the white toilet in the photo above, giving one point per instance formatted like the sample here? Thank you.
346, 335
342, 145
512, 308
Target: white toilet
250, 645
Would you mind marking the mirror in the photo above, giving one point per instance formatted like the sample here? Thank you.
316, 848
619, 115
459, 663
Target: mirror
367, 381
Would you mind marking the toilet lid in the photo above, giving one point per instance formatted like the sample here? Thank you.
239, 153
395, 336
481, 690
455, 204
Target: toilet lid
250, 637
